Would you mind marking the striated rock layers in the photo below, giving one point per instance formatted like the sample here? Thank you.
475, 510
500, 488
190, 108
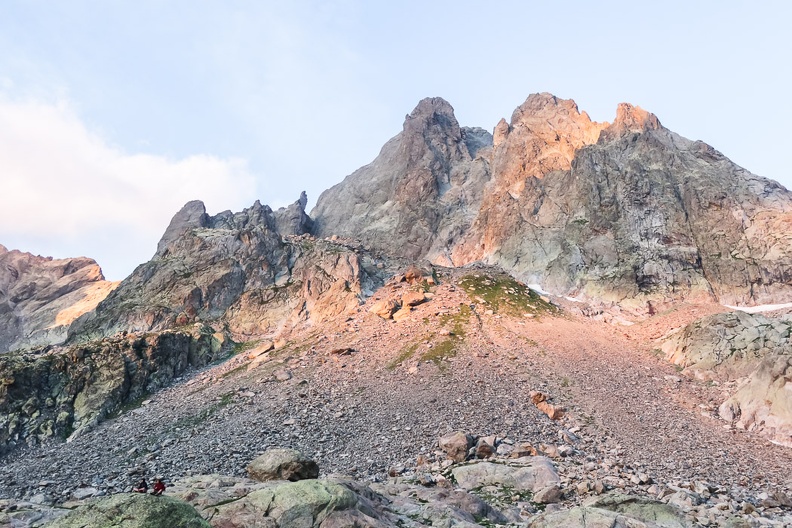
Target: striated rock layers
256, 271
751, 356
627, 213
40, 297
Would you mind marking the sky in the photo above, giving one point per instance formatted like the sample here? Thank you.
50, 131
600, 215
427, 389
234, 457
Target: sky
115, 114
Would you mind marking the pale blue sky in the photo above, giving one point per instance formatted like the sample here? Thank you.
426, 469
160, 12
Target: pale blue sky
113, 114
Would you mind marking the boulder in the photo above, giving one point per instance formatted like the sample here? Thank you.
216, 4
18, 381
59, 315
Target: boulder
282, 464
132, 510
456, 445
413, 298
537, 473
384, 308
232, 502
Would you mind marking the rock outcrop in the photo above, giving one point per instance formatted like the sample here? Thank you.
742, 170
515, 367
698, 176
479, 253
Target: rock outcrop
132, 510
40, 297
257, 271
628, 212
750, 355
419, 194
62, 392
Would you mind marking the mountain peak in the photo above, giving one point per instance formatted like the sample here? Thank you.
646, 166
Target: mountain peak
546, 105
430, 106
193, 214
630, 118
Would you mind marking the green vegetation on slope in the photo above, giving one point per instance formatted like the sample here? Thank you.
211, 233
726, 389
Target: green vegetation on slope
504, 294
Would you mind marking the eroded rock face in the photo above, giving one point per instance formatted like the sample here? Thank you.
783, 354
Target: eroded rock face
40, 297
62, 392
419, 194
626, 213
257, 270
750, 351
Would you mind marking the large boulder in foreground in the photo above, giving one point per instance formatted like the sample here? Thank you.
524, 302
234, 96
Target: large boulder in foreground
282, 464
615, 510
133, 510
232, 502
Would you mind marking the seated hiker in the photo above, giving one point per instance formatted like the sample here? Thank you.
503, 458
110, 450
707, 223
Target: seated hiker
141, 487
159, 487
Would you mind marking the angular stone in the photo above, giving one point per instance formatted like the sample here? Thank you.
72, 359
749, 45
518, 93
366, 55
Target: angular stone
456, 445
384, 308
539, 473
282, 464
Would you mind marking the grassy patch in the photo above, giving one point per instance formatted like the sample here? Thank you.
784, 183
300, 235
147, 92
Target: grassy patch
441, 351
447, 348
457, 321
503, 294
240, 348
406, 353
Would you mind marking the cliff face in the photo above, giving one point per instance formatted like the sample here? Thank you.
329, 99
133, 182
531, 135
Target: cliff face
255, 271
419, 194
627, 213
40, 297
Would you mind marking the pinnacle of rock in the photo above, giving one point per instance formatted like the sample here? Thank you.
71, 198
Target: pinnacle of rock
631, 118
193, 214
429, 107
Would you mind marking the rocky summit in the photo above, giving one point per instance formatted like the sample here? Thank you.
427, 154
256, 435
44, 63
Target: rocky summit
627, 213
532, 327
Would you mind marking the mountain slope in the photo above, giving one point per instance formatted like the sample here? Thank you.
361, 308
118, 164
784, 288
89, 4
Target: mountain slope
626, 213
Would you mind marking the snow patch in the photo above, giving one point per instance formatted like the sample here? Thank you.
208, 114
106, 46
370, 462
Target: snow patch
538, 289
760, 308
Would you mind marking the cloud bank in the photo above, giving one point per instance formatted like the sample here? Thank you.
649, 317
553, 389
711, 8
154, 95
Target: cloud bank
64, 186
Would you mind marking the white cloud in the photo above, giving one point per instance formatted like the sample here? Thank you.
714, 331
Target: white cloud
63, 182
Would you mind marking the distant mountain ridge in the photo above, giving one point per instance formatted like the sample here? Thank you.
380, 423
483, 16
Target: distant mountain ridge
627, 213
40, 296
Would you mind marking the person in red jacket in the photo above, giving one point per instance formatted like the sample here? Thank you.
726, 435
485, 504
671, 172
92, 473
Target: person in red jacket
159, 487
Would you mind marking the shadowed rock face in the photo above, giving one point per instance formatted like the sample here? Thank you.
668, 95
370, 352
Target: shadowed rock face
256, 271
62, 392
626, 213
40, 297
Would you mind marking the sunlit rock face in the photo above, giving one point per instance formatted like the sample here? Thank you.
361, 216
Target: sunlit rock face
627, 212
257, 271
40, 297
